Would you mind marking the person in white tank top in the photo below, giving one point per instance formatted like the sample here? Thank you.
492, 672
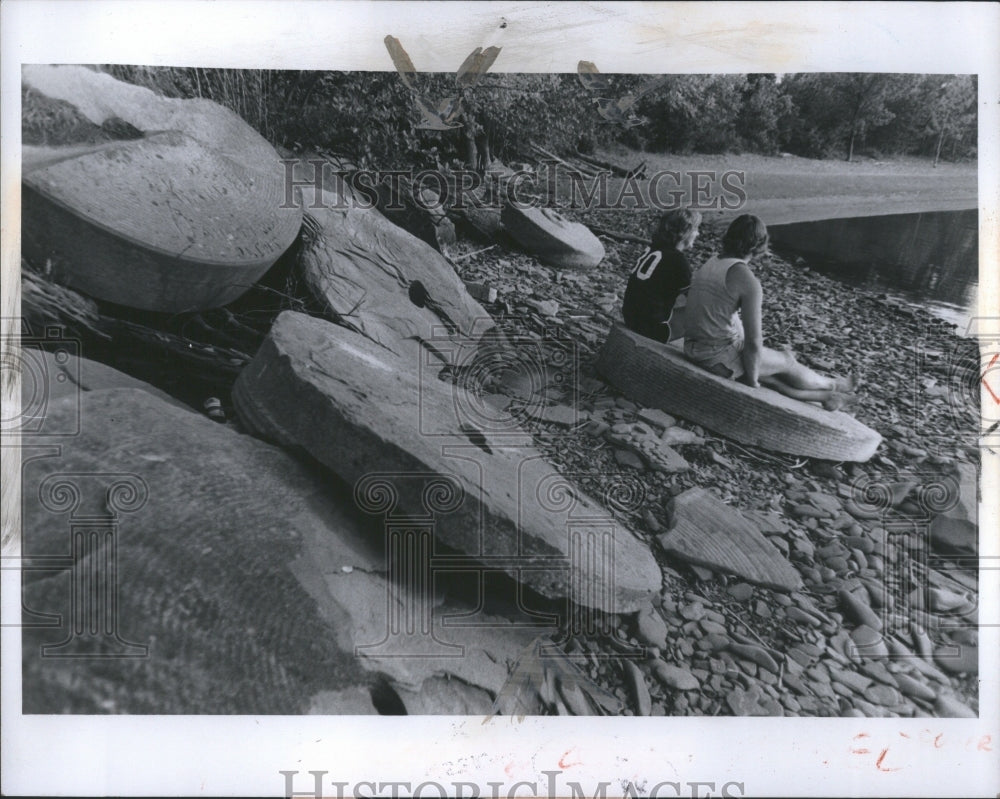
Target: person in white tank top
723, 324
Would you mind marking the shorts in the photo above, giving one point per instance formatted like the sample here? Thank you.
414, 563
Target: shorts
724, 360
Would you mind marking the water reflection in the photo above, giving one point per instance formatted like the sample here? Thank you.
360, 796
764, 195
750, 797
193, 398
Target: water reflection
928, 259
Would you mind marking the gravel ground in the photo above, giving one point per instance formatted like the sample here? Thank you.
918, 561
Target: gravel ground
869, 634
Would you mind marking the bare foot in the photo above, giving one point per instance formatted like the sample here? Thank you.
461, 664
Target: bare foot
846, 385
839, 401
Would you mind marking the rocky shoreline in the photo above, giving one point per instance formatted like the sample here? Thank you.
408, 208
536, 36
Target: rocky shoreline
876, 630
881, 618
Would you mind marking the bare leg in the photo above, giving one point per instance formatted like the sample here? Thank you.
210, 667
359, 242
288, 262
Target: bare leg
804, 394
782, 365
831, 400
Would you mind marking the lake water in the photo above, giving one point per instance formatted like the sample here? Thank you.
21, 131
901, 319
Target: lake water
930, 260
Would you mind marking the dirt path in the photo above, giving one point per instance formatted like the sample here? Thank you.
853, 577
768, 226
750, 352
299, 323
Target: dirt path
783, 190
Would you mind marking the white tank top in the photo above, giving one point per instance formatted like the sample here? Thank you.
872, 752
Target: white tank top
711, 316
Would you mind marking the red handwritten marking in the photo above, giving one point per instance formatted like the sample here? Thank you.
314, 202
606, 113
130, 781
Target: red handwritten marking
509, 769
881, 757
861, 751
904, 734
937, 740
982, 380
861, 735
564, 764
984, 744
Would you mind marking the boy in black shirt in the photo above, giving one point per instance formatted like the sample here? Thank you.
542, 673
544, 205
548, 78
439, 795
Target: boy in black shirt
660, 276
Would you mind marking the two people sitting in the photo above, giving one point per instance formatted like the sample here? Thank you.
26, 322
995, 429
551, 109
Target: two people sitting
721, 321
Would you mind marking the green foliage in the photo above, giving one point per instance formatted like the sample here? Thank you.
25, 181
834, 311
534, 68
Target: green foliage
696, 113
371, 117
766, 114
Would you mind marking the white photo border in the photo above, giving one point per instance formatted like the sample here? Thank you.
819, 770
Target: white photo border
244, 755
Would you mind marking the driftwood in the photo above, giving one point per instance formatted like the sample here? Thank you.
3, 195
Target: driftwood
45, 304
617, 236
620, 171
586, 172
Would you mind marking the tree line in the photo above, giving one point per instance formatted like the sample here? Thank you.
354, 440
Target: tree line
370, 117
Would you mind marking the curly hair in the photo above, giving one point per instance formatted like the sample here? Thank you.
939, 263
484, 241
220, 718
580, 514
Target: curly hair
747, 235
673, 226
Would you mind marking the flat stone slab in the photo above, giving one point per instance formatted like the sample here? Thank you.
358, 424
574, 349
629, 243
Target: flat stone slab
49, 375
254, 583
658, 375
185, 218
553, 238
414, 445
384, 283
207, 525
709, 533
99, 97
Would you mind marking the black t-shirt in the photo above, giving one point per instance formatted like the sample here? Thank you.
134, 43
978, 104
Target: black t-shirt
657, 279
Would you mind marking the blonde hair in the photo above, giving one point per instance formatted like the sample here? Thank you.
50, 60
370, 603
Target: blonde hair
674, 226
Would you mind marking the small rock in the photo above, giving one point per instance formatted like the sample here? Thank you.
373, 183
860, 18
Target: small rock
859, 611
651, 629
944, 601
674, 676
911, 687
869, 642
951, 534
657, 418
596, 428
883, 695
625, 457
851, 679
561, 415
713, 642
808, 511
741, 592
693, 611
652, 524
675, 436
710, 626
922, 641
825, 502
754, 654
837, 564
949, 707
800, 656
544, 307
877, 671
668, 460
827, 470
640, 691
796, 684
963, 661
860, 513
744, 703
801, 617
861, 542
